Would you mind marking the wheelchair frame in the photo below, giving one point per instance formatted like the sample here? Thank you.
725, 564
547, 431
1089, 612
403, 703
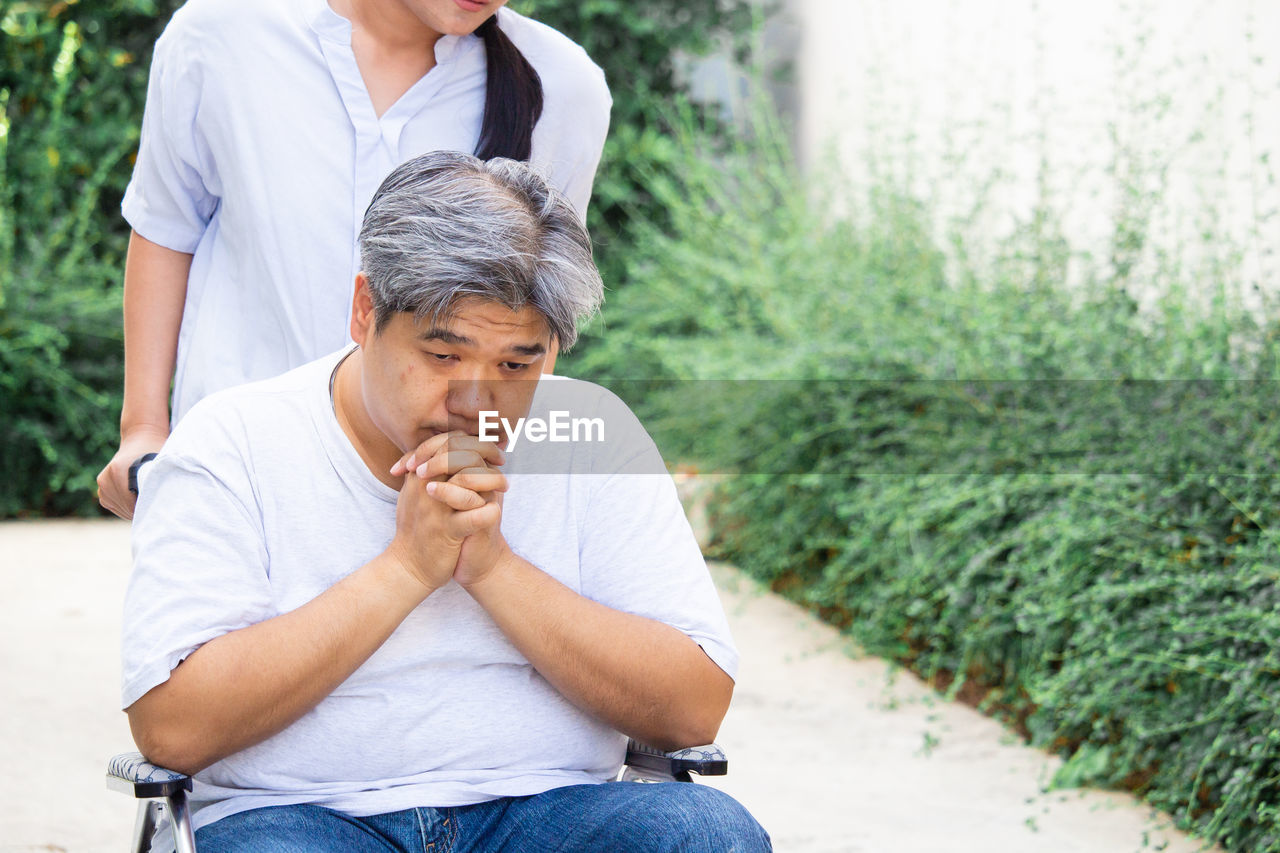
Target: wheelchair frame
160, 790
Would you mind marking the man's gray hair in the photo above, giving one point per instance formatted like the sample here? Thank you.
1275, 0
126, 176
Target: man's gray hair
447, 226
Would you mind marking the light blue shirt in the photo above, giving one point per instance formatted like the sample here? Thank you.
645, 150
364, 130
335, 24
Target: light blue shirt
260, 152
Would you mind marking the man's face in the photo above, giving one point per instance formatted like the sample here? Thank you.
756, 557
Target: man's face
419, 379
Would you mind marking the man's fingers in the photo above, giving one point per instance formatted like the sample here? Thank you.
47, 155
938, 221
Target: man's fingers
447, 463
454, 496
425, 450
472, 521
480, 480
489, 451
447, 443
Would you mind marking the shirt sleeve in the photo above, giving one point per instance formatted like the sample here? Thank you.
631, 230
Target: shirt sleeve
639, 554
568, 140
168, 200
199, 568
592, 111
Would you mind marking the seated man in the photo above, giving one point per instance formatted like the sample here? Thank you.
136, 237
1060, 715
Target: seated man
362, 627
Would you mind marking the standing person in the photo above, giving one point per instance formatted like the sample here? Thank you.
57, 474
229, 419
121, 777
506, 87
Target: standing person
268, 126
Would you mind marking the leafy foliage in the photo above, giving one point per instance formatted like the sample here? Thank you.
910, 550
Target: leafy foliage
1049, 503
71, 88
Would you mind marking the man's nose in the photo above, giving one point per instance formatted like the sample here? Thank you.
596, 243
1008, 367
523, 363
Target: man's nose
468, 397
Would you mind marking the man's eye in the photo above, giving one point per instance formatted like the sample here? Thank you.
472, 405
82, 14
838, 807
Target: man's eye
440, 356
515, 366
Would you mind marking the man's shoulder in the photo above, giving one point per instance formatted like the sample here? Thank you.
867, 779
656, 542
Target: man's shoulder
236, 443
264, 411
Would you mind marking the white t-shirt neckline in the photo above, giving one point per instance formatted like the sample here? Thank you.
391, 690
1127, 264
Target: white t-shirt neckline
342, 453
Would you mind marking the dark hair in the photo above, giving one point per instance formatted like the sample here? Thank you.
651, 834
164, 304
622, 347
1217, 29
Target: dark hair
512, 98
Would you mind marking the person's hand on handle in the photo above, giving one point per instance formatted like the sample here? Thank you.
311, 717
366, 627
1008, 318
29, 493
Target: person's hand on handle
113, 480
155, 291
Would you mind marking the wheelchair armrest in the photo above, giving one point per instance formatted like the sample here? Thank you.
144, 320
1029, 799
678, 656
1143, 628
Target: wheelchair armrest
708, 760
130, 773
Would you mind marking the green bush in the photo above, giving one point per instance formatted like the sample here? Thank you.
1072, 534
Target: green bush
1049, 503
71, 90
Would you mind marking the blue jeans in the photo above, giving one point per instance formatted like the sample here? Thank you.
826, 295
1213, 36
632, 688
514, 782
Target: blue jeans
615, 817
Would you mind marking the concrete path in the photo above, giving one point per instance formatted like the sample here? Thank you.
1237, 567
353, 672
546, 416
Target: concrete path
828, 750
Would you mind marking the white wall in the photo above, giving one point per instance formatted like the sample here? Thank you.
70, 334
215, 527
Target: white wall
1072, 102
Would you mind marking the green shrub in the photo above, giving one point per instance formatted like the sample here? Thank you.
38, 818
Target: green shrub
71, 91
1048, 502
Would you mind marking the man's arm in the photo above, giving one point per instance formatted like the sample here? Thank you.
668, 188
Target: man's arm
244, 686
646, 679
643, 677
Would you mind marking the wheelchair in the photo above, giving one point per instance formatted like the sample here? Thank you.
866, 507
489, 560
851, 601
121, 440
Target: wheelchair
162, 793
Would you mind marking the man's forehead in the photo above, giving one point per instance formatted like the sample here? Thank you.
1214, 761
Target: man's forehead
477, 323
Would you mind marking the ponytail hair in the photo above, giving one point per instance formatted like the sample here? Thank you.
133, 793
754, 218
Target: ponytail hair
512, 98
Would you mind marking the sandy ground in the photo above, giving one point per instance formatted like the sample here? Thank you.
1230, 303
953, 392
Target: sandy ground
826, 748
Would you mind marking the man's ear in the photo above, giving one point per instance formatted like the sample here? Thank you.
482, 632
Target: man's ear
362, 323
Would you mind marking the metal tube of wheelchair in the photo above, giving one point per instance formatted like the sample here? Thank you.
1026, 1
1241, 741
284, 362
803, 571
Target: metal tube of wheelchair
184, 838
144, 827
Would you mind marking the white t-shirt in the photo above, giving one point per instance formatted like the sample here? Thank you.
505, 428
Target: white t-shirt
259, 503
260, 152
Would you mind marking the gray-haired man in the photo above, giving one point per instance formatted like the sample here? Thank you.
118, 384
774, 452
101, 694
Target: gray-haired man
363, 629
